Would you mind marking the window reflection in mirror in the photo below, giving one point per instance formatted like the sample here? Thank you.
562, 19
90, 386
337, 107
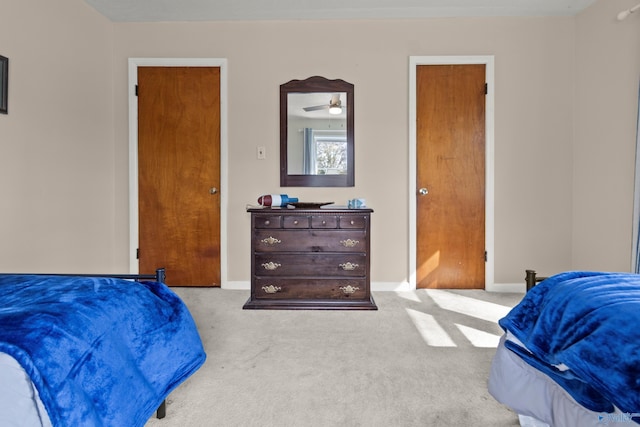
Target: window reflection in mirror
316, 134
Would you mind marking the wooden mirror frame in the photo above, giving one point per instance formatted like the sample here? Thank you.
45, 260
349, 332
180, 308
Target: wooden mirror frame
311, 85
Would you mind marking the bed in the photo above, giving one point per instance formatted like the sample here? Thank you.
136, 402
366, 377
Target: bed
91, 350
570, 353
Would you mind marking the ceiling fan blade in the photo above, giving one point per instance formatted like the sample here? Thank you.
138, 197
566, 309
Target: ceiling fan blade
316, 108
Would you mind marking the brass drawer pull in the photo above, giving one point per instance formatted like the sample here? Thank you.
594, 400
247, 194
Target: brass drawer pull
271, 265
349, 243
271, 289
349, 289
271, 241
348, 266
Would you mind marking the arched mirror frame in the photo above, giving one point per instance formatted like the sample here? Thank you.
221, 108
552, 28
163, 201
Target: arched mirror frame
311, 85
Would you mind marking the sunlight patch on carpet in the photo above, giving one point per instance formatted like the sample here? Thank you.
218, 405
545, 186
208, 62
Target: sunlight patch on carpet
479, 338
468, 306
431, 331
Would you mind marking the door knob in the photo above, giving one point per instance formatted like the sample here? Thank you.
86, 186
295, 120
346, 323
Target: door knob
423, 191
213, 190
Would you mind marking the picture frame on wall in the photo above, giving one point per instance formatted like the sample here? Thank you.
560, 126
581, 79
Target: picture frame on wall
4, 84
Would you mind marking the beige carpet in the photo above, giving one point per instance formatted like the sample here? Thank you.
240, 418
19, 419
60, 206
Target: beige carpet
420, 360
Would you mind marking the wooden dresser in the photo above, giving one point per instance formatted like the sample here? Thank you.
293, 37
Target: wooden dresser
310, 259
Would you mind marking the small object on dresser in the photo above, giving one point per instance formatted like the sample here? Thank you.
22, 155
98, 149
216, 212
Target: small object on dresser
276, 200
356, 204
310, 205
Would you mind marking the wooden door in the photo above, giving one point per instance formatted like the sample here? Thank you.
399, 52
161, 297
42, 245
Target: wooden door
179, 173
450, 146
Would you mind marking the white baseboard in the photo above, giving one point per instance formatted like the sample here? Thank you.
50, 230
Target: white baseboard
237, 286
242, 285
391, 287
516, 288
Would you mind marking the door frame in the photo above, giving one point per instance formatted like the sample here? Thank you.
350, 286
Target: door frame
134, 63
488, 61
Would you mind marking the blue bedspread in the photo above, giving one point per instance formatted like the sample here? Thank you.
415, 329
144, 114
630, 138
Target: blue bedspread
590, 322
100, 351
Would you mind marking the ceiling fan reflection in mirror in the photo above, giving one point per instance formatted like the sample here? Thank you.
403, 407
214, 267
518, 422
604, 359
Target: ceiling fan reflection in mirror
334, 106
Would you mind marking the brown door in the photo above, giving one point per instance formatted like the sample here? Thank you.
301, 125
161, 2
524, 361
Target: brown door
450, 145
179, 173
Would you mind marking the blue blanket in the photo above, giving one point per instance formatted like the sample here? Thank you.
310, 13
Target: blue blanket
100, 351
590, 322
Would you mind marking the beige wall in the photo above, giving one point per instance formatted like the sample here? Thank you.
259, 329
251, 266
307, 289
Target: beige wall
606, 100
533, 116
57, 193
67, 148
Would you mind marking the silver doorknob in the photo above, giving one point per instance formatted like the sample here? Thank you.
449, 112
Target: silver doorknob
213, 190
423, 191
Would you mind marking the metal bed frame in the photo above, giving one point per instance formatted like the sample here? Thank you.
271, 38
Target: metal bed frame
531, 279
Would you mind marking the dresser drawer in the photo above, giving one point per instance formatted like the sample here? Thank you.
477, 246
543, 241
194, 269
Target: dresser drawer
295, 221
324, 221
276, 288
352, 221
309, 240
336, 265
267, 221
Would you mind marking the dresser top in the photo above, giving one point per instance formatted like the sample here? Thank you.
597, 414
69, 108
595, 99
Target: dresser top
281, 210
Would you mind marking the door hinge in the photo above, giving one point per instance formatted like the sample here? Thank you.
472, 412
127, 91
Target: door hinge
486, 89
136, 90
138, 253
485, 256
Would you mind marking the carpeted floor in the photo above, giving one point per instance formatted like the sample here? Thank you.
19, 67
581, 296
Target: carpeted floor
421, 359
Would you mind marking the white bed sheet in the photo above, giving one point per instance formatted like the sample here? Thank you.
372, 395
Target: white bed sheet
538, 399
20, 404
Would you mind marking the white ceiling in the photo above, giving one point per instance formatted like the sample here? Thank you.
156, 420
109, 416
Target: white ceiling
225, 10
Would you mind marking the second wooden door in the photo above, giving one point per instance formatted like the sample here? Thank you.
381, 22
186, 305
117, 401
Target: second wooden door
450, 146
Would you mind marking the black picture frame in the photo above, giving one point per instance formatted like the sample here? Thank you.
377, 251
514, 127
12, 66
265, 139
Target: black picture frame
4, 85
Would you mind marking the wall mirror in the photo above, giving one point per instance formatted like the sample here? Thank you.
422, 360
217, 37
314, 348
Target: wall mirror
316, 133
